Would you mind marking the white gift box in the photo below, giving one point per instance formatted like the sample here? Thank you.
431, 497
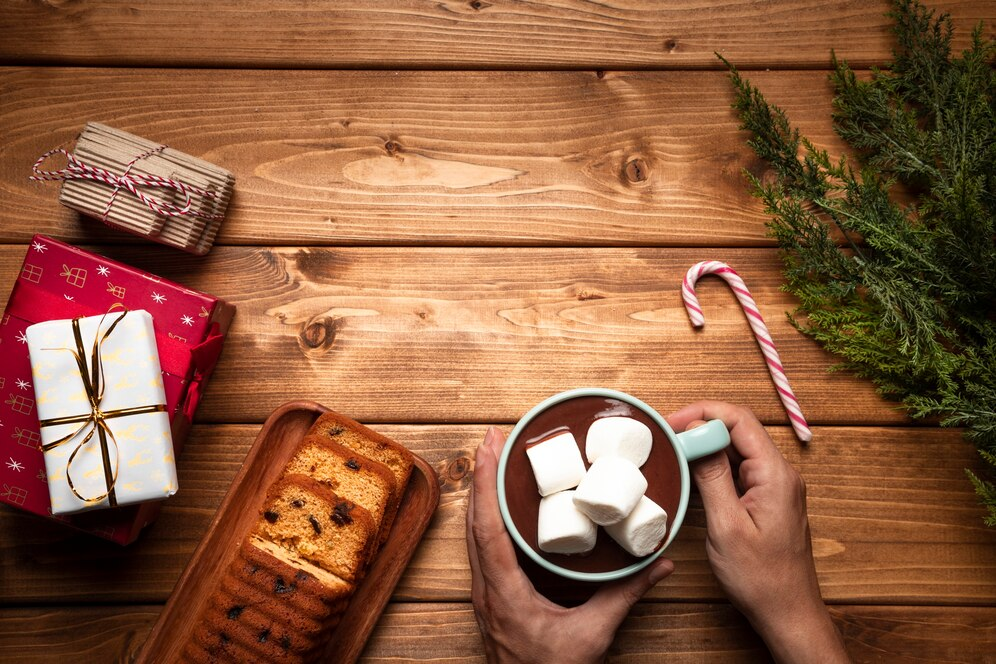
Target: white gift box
105, 432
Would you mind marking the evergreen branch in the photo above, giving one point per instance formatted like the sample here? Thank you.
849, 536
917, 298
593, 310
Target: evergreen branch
912, 307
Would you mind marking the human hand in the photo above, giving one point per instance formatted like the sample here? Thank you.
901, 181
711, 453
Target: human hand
758, 541
517, 623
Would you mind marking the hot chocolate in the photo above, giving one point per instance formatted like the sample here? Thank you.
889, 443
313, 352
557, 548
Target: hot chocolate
575, 416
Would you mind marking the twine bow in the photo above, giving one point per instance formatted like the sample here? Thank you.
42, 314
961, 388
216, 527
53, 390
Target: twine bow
95, 420
78, 170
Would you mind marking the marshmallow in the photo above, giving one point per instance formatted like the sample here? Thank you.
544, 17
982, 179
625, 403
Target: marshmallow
562, 528
610, 490
557, 463
619, 436
642, 531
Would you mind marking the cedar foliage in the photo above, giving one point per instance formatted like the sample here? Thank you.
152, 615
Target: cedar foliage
909, 300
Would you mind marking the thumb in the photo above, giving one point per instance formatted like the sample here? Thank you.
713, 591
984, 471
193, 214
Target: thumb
610, 605
714, 478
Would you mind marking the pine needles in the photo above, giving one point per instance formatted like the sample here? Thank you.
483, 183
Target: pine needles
909, 300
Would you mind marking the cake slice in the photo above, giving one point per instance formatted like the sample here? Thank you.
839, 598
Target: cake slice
307, 518
359, 438
355, 477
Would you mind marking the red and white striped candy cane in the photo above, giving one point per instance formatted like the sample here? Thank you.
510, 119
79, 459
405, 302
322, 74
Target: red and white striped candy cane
764, 340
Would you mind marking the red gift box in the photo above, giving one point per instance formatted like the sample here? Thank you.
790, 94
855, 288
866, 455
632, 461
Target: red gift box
59, 281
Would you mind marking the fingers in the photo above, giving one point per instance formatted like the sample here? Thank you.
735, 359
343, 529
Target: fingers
477, 581
610, 605
495, 440
487, 537
746, 432
714, 478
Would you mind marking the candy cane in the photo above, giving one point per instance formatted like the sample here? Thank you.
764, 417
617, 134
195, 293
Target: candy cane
764, 340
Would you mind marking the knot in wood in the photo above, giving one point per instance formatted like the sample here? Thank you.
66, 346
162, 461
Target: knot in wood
457, 469
670, 44
392, 147
319, 333
583, 295
636, 171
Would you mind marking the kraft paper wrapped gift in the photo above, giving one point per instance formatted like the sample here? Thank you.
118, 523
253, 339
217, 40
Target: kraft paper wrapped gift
142, 187
60, 281
105, 432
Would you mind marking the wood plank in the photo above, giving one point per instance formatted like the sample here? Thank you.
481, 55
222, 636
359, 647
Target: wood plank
453, 158
541, 35
707, 633
77, 633
893, 518
313, 320
435, 631
481, 335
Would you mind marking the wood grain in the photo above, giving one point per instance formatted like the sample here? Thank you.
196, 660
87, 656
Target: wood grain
415, 158
430, 632
418, 335
431, 251
76, 633
477, 34
893, 520
717, 633
695, 633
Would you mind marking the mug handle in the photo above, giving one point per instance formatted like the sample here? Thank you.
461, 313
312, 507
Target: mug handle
704, 440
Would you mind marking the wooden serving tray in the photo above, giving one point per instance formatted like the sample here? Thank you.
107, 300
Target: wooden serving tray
266, 460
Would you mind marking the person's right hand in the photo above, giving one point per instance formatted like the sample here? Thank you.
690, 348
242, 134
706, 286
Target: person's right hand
758, 542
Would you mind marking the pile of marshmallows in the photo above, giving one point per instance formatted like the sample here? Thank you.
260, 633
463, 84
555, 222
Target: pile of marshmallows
610, 493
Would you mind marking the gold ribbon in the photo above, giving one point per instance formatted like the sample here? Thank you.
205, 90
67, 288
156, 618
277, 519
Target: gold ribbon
93, 384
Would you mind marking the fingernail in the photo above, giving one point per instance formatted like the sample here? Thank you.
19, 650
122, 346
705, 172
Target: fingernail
695, 424
491, 437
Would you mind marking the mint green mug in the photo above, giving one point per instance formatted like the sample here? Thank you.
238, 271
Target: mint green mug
668, 477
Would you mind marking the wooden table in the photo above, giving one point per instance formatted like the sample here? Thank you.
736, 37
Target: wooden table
445, 212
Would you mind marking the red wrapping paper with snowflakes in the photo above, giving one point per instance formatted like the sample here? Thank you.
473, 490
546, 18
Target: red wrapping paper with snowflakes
60, 281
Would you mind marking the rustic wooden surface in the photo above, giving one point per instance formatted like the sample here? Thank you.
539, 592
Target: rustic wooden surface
416, 157
684, 633
434, 249
890, 518
478, 34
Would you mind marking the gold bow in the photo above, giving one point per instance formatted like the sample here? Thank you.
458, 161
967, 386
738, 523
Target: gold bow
93, 384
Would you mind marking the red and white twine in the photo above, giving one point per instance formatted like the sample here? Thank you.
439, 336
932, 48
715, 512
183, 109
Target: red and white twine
761, 333
78, 170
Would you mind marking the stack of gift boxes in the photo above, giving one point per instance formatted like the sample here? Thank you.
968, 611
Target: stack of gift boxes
102, 367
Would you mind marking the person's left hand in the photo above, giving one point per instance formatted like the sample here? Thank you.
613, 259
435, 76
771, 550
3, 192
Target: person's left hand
517, 623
